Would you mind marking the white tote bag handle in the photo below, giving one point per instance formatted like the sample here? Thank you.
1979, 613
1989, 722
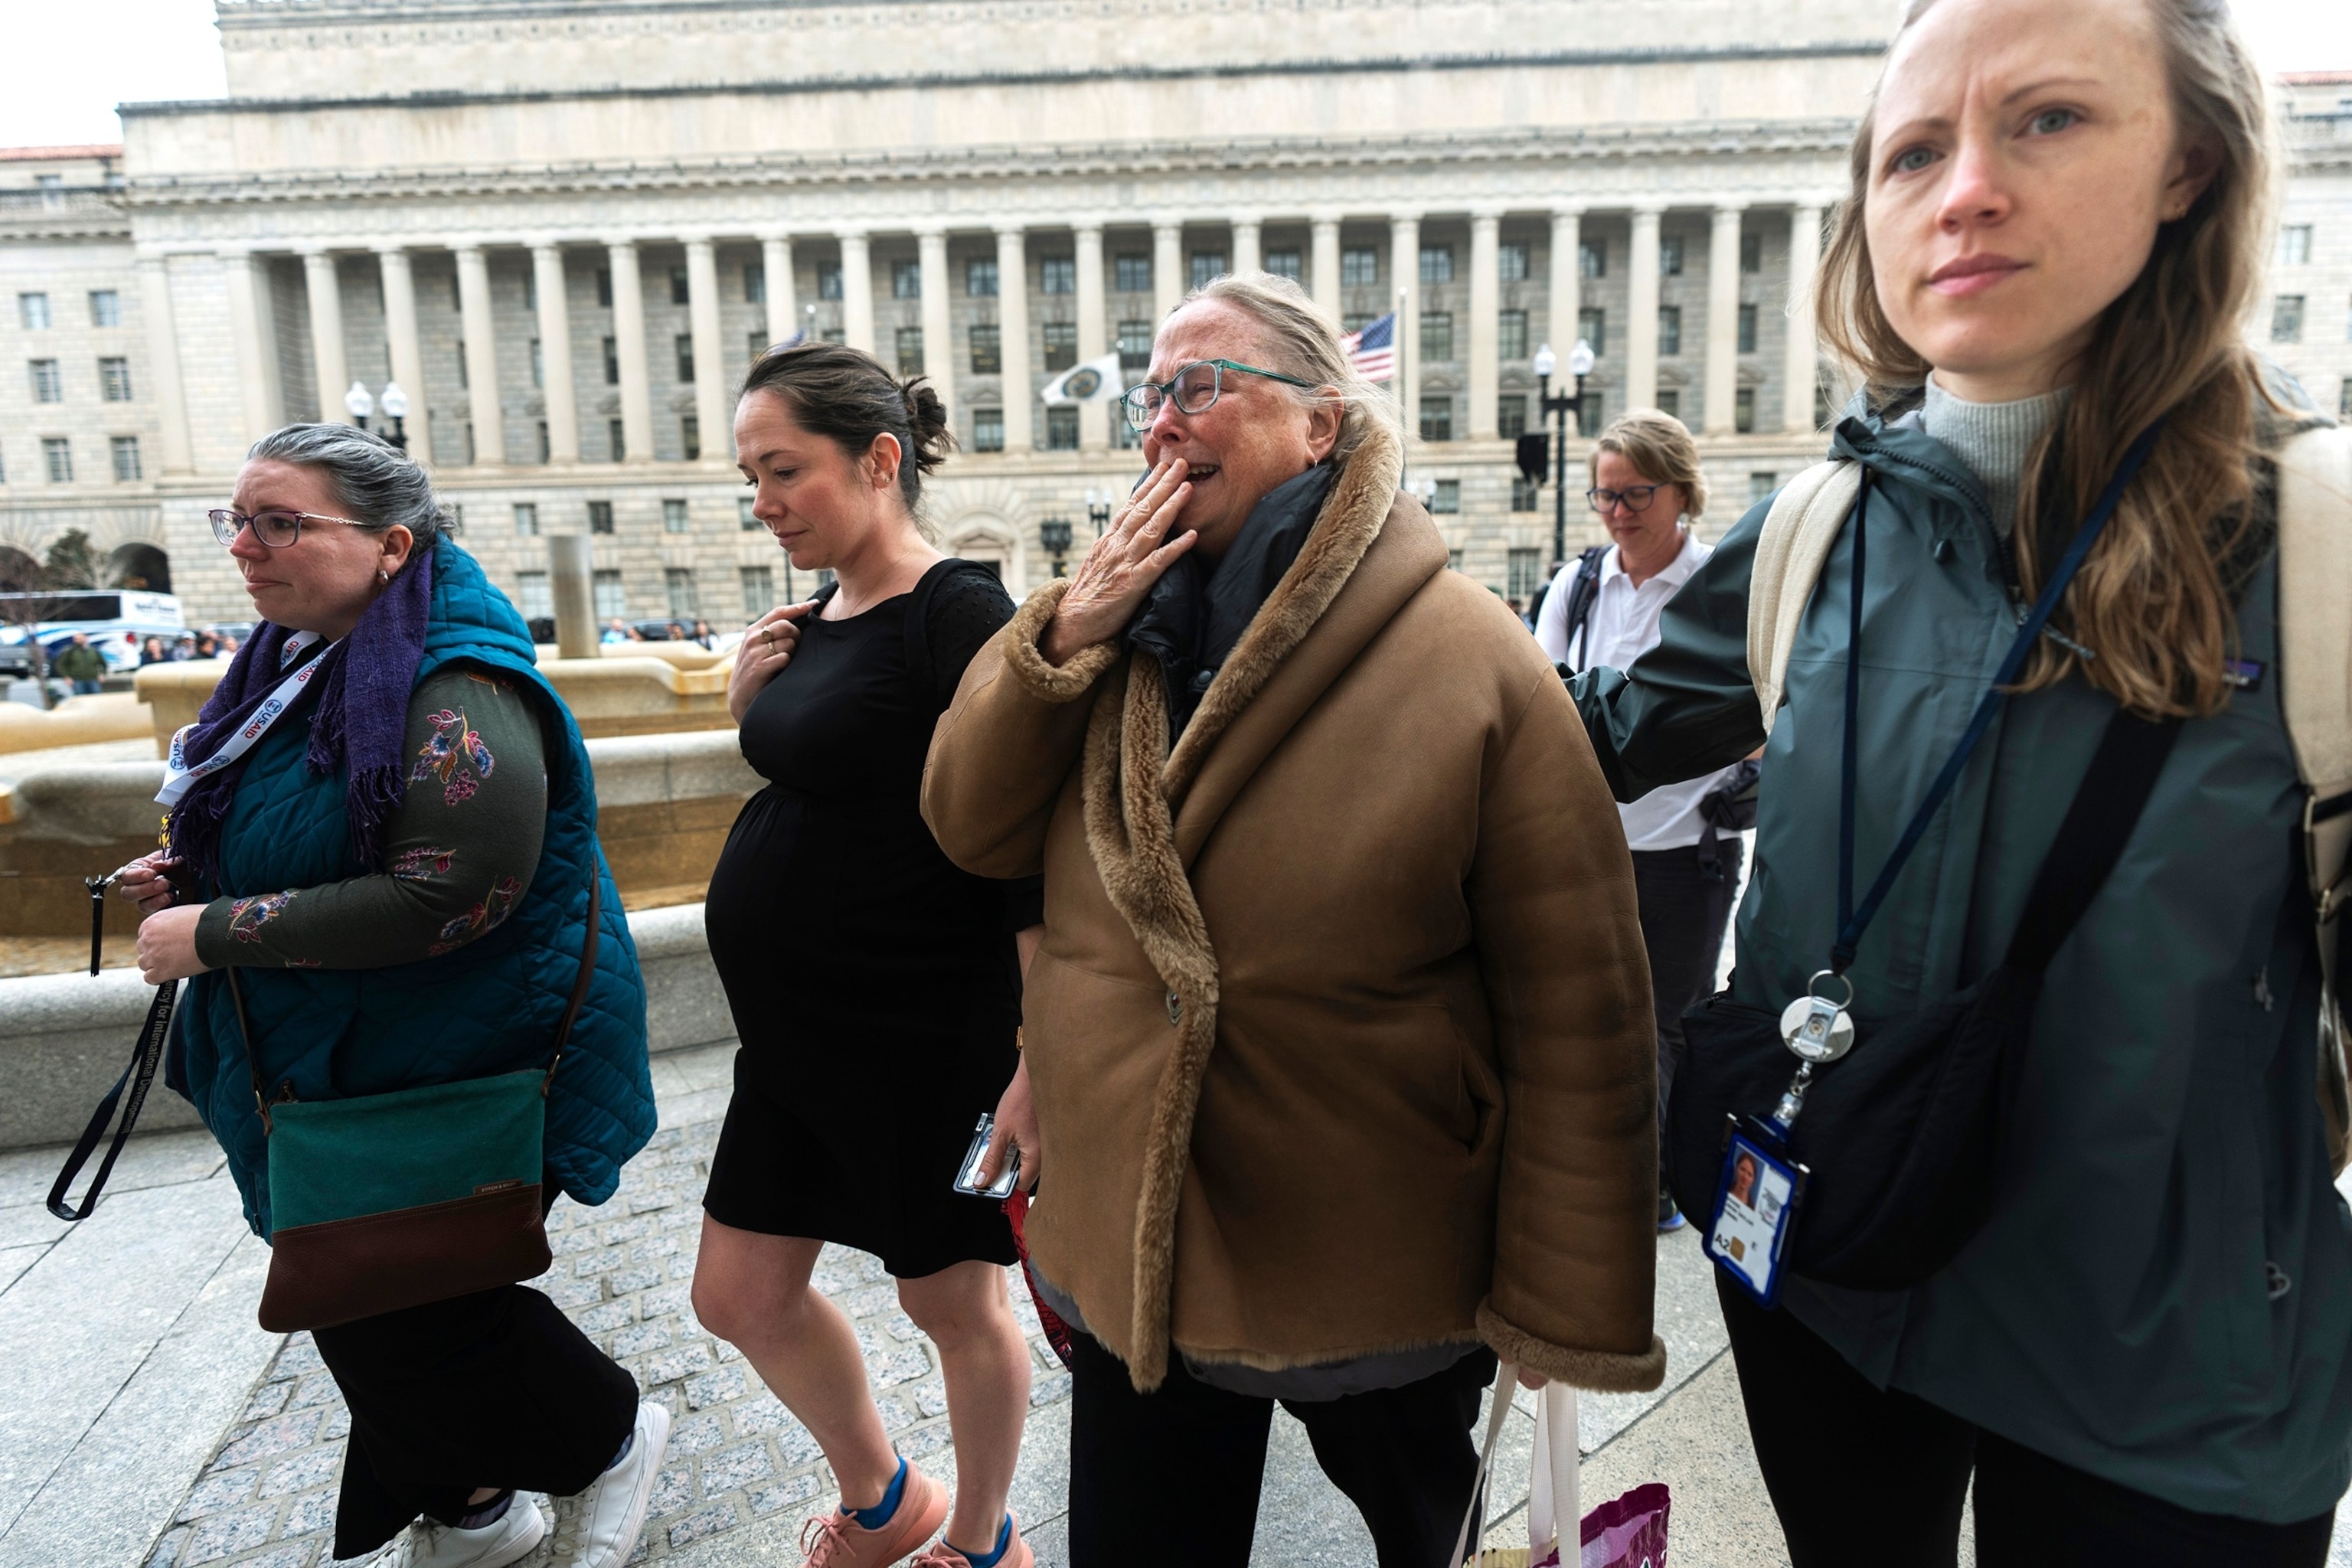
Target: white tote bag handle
1554, 1513
1507, 1379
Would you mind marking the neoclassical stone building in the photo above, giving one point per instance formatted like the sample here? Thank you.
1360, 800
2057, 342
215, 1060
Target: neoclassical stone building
563, 227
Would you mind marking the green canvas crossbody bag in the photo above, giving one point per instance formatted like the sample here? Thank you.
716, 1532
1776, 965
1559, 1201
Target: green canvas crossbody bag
386, 1201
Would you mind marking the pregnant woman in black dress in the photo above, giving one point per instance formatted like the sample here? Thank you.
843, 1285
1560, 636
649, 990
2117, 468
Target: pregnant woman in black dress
856, 1101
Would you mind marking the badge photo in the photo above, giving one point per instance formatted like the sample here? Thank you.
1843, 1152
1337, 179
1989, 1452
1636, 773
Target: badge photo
1755, 1208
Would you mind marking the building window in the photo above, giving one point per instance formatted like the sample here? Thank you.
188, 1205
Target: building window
33, 310
1670, 402
532, 595
2294, 245
612, 599
759, 585
1511, 263
683, 599
1061, 346
1592, 257
1057, 275
1743, 410
1357, 320
1751, 253
689, 437
828, 280
1593, 326
1524, 573
1760, 486
754, 345
1359, 266
987, 349
3, 465
114, 379
1748, 329
1124, 437
1134, 347
615, 434
2287, 321
1670, 331
674, 517
683, 343
755, 283
743, 518
57, 452
680, 294
906, 280
1511, 334
604, 288
1447, 499
546, 451
980, 279
1284, 264
1670, 256
464, 378
1132, 274
1454, 561
106, 305
1061, 429
48, 386
531, 290
1437, 422
2344, 400
910, 344
526, 516
1526, 495
1208, 265
1589, 419
1436, 335
1510, 415
834, 335
1437, 264
987, 429
538, 366
126, 457
600, 517
612, 361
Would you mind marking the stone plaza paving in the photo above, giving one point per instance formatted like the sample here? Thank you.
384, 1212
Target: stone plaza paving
145, 1422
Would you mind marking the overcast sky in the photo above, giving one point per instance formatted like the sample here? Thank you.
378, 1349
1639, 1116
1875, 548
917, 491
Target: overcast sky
67, 66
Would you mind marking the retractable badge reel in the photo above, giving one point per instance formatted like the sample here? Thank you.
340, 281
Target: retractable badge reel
1761, 1188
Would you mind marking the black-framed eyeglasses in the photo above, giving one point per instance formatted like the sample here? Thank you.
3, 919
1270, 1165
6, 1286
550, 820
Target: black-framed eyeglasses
1195, 387
274, 526
1637, 498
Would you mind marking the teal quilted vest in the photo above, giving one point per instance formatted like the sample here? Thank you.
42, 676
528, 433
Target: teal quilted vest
490, 1006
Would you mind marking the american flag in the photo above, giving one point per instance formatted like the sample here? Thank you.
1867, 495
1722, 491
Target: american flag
1373, 350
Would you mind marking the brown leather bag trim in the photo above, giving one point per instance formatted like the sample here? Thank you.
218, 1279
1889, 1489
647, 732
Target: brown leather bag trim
344, 1270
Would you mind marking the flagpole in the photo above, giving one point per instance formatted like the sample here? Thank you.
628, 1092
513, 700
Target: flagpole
1404, 366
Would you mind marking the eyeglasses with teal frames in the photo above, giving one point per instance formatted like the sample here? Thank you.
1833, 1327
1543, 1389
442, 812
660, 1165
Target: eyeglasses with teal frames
1195, 387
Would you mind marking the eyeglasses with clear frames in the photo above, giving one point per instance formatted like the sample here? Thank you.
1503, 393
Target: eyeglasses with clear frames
1195, 387
276, 527
1637, 498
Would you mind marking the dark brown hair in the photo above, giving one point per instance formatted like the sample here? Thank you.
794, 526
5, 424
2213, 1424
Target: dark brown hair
844, 395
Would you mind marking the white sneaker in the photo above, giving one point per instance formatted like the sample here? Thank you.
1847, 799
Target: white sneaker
507, 1539
599, 1528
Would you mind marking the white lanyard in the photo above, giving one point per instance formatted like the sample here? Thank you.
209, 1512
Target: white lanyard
178, 777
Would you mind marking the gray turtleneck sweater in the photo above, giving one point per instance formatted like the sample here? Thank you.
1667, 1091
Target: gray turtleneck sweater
1994, 439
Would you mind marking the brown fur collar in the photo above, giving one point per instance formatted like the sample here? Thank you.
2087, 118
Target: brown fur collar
1132, 786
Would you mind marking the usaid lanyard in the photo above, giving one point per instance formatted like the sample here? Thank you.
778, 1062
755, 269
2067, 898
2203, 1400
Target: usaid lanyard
179, 778
1760, 1185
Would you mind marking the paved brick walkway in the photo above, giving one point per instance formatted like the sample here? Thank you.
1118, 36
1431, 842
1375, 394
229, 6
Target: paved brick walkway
622, 1272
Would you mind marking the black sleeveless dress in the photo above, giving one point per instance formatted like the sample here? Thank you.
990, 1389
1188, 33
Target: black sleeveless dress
875, 986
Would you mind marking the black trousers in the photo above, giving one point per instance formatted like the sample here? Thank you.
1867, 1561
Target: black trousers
1870, 1478
1171, 1478
1683, 911
495, 1389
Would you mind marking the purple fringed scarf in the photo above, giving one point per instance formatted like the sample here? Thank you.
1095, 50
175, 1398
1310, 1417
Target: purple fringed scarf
361, 718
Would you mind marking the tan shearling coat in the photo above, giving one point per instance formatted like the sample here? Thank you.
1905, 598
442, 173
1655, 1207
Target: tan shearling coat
1340, 1035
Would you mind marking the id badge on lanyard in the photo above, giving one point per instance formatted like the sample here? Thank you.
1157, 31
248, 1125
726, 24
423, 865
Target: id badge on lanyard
1761, 1188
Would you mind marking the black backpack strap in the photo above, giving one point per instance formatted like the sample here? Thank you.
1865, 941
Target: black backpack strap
2106, 808
1583, 589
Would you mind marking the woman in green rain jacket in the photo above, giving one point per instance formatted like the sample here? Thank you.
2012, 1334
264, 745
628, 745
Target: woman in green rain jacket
2142, 1355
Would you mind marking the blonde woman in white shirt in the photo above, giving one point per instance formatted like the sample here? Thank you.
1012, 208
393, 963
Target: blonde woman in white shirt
1647, 487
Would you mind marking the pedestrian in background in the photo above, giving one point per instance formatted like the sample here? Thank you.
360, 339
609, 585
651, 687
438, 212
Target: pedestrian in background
152, 652
82, 664
853, 1107
2059, 219
1602, 610
1338, 1061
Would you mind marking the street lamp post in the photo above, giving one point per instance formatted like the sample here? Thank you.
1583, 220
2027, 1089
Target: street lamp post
1053, 533
1098, 510
1556, 410
359, 404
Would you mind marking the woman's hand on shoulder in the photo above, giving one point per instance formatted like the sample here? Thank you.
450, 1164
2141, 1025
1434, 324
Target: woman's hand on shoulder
167, 945
767, 647
1130, 557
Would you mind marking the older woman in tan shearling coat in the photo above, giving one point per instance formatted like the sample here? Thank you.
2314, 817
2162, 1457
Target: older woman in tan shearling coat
1339, 1036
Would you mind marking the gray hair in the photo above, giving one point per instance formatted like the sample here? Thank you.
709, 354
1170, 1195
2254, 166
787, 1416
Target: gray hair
380, 484
1302, 340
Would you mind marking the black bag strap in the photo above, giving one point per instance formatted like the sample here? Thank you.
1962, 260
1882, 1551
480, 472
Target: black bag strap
139, 1076
2099, 821
921, 669
1583, 591
580, 982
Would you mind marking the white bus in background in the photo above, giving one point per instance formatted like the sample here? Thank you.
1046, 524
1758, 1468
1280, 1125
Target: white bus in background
116, 620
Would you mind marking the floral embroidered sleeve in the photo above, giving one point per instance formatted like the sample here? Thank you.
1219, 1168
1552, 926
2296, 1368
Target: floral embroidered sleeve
458, 851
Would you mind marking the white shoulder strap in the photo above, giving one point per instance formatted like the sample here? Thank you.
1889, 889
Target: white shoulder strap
1804, 521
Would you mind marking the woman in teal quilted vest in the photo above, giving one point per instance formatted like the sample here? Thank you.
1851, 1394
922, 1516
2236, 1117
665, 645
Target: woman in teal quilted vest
386, 819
